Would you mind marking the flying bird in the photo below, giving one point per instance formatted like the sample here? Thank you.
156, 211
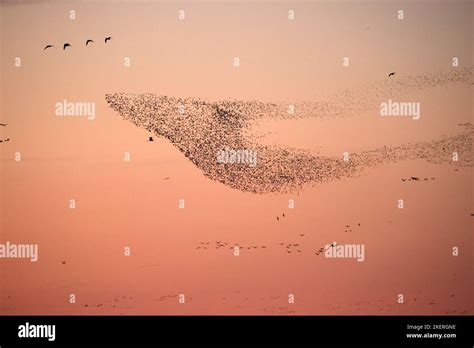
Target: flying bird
391, 74
3, 124
66, 45
48, 46
88, 41
108, 38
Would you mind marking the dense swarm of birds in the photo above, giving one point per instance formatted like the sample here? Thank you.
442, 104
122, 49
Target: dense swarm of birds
201, 128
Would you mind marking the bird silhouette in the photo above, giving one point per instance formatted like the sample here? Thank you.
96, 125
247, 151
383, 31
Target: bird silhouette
278, 219
48, 46
391, 74
150, 139
3, 124
88, 41
66, 45
108, 38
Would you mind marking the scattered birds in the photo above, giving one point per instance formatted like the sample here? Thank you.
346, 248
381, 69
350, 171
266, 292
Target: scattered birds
4, 140
48, 46
89, 41
66, 45
108, 38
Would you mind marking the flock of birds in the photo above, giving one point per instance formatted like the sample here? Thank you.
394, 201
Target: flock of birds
207, 127
415, 178
289, 248
67, 44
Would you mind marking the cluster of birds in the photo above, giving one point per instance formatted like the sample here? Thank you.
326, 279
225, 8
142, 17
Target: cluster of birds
415, 178
222, 244
205, 128
67, 44
7, 139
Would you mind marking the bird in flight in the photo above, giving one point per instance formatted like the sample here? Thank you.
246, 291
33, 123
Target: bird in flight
89, 41
66, 45
108, 38
391, 74
48, 46
3, 124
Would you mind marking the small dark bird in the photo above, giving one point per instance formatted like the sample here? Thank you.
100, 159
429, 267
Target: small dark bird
167, 179
3, 124
89, 41
48, 46
150, 139
391, 74
278, 219
414, 178
302, 235
108, 38
66, 45
63, 262
283, 214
